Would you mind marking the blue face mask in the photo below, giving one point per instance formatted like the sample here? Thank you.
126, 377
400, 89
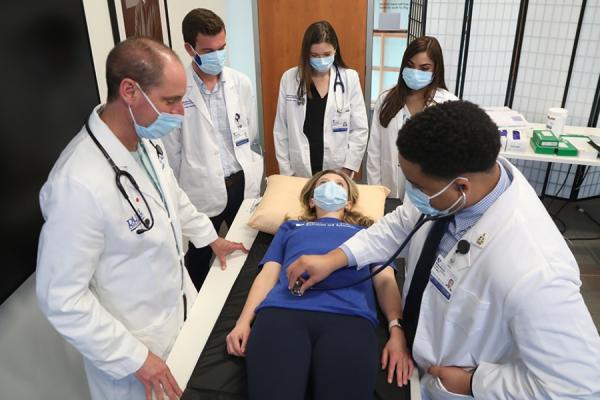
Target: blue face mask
416, 79
330, 196
423, 202
322, 64
210, 63
162, 126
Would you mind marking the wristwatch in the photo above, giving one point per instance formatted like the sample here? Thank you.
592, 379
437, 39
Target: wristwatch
396, 322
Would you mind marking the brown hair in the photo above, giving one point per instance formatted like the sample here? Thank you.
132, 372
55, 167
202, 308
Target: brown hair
395, 99
138, 58
203, 21
350, 216
317, 32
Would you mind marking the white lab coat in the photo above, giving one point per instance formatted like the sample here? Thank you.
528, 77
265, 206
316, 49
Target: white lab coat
194, 149
112, 293
382, 152
516, 312
342, 149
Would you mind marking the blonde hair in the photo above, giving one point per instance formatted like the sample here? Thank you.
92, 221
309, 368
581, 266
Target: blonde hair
350, 216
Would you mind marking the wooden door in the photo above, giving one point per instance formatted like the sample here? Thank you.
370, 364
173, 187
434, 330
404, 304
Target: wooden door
281, 27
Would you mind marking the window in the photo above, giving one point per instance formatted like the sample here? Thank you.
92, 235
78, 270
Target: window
388, 49
389, 43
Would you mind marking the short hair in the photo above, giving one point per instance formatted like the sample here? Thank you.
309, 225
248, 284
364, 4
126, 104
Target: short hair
138, 58
200, 20
450, 139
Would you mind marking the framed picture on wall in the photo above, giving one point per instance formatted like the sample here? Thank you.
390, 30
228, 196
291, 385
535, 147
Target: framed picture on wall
139, 18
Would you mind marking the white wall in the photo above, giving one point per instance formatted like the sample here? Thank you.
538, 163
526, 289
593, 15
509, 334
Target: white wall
240, 38
36, 363
101, 39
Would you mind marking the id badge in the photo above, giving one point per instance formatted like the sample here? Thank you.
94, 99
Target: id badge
240, 136
443, 278
341, 122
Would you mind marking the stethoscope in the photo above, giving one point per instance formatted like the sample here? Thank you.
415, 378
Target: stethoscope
148, 223
336, 82
463, 247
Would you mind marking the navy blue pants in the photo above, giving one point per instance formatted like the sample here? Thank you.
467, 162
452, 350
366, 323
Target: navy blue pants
197, 260
295, 354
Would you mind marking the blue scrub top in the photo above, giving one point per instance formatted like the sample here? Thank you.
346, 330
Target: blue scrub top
296, 238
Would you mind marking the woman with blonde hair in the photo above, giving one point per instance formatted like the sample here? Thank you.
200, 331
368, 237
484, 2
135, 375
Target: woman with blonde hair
326, 336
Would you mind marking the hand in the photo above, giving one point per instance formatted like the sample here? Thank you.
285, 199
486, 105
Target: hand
395, 356
222, 248
155, 375
316, 267
237, 339
454, 379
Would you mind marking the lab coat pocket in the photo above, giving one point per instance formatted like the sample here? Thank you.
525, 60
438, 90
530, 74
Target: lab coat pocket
126, 388
435, 390
160, 336
296, 161
189, 177
467, 311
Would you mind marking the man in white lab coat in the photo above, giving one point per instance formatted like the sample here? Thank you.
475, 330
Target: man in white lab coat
110, 274
215, 156
492, 305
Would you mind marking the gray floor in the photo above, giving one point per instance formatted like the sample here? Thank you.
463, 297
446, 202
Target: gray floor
587, 252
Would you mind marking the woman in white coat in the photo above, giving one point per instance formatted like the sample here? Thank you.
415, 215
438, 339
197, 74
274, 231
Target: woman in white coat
321, 120
421, 84
492, 304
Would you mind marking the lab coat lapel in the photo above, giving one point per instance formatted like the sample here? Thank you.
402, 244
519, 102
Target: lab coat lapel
330, 102
161, 169
193, 95
125, 161
231, 101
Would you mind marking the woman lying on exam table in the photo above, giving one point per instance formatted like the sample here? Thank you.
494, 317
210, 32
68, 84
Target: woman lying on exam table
327, 336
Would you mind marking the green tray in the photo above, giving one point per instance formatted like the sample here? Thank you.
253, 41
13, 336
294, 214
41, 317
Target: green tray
565, 148
540, 149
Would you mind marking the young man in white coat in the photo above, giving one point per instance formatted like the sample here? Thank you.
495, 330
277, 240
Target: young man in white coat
212, 154
110, 273
492, 304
